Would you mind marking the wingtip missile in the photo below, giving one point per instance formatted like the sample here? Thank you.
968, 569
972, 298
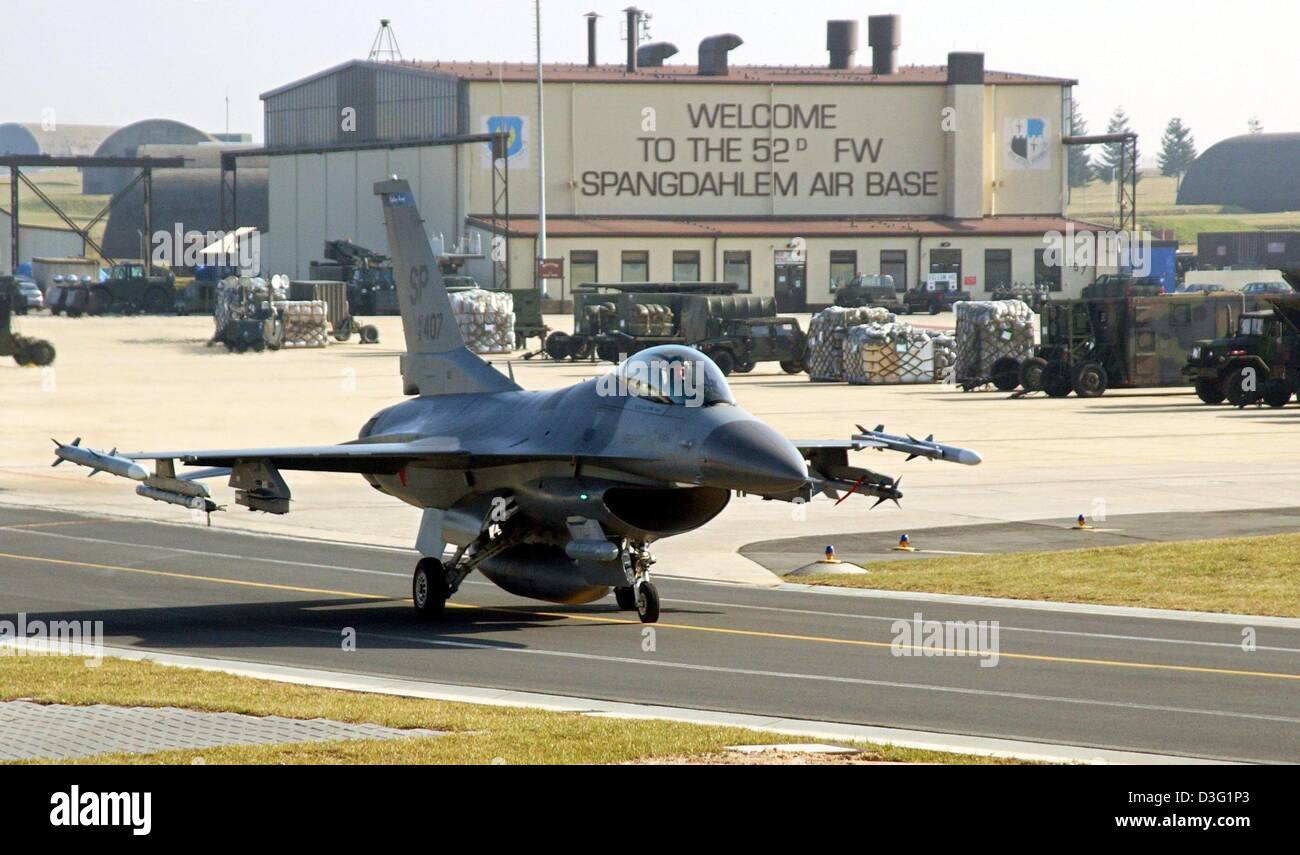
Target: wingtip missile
98, 462
927, 448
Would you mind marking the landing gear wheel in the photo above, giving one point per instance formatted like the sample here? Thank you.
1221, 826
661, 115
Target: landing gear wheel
1209, 392
1276, 393
1056, 380
1006, 374
790, 367
723, 359
429, 588
626, 597
647, 602
1032, 373
1090, 380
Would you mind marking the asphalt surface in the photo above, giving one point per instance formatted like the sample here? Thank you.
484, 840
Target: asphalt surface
1125, 683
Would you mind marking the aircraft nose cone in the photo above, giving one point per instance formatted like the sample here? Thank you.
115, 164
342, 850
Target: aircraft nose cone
752, 458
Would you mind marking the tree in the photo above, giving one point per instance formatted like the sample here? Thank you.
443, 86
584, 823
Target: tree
1113, 153
1079, 159
1177, 150
1254, 125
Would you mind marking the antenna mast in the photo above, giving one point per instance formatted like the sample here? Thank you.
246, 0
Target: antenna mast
384, 48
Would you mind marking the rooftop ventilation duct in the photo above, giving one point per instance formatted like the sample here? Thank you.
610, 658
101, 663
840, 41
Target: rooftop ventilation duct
965, 68
633, 35
713, 54
591, 38
842, 42
884, 34
652, 55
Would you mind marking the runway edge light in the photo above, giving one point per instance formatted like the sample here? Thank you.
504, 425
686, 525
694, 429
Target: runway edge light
904, 544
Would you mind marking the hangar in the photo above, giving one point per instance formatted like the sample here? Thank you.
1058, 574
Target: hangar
787, 180
1257, 172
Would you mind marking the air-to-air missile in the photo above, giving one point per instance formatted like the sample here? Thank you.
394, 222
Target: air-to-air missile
98, 461
914, 447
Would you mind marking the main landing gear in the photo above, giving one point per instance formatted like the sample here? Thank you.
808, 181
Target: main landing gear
429, 588
641, 595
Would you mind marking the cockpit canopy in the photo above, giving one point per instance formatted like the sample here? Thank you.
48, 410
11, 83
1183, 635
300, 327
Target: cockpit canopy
676, 375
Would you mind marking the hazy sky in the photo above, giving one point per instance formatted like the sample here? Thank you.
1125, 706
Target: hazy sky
116, 61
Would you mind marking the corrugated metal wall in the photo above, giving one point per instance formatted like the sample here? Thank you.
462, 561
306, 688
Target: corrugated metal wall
391, 104
37, 243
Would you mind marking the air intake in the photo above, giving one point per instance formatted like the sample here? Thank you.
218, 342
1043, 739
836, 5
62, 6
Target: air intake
652, 55
713, 54
842, 42
884, 34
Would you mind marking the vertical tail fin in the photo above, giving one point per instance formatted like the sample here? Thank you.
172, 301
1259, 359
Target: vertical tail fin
436, 361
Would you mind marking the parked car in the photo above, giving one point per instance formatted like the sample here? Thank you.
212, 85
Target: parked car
28, 296
1267, 288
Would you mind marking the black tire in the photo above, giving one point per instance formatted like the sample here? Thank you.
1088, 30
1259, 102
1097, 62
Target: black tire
935, 308
429, 589
156, 301
557, 346
579, 347
1234, 388
647, 602
1006, 374
1209, 391
259, 346
744, 365
370, 334
626, 597
791, 367
607, 352
1032, 373
343, 333
724, 360
1056, 380
1090, 380
41, 353
1276, 393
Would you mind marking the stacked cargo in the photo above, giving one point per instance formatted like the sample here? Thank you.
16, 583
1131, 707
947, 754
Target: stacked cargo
486, 319
988, 332
306, 322
238, 295
826, 335
945, 357
896, 353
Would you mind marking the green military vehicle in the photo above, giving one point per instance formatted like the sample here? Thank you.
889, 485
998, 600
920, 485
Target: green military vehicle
870, 292
599, 308
129, 290
1115, 338
1259, 364
24, 350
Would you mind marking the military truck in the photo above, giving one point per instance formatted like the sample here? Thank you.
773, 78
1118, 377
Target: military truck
129, 290
936, 295
1260, 363
869, 292
24, 350
1089, 345
598, 309
369, 274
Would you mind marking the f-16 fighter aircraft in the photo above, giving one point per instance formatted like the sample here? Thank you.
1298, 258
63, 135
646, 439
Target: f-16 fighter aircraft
554, 495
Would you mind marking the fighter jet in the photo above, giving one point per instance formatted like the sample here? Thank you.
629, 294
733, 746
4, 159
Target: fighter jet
553, 495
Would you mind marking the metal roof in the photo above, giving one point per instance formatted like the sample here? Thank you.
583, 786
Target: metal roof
784, 227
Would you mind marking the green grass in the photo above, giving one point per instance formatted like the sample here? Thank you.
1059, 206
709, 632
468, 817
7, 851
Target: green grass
63, 186
1255, 576
476, 734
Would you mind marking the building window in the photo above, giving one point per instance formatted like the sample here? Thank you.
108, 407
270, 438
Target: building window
582, 267
997, 269
893, 262
1045, 274
844, 266
636, 265
735, 268
686, 265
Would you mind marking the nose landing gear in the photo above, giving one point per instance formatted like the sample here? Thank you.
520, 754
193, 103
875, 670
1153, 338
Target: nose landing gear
641, 595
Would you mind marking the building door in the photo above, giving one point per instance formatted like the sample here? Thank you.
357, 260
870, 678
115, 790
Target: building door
946, 261
789, 278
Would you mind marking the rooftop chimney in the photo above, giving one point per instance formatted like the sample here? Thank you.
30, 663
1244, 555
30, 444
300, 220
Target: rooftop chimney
633, 34
965, 68
842, 42
884, 34
591, 38
653, 54
713, 54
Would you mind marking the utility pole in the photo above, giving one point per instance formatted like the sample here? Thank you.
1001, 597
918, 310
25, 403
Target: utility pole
541, 156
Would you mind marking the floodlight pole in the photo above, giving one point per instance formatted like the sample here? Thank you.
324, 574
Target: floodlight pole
541, 156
